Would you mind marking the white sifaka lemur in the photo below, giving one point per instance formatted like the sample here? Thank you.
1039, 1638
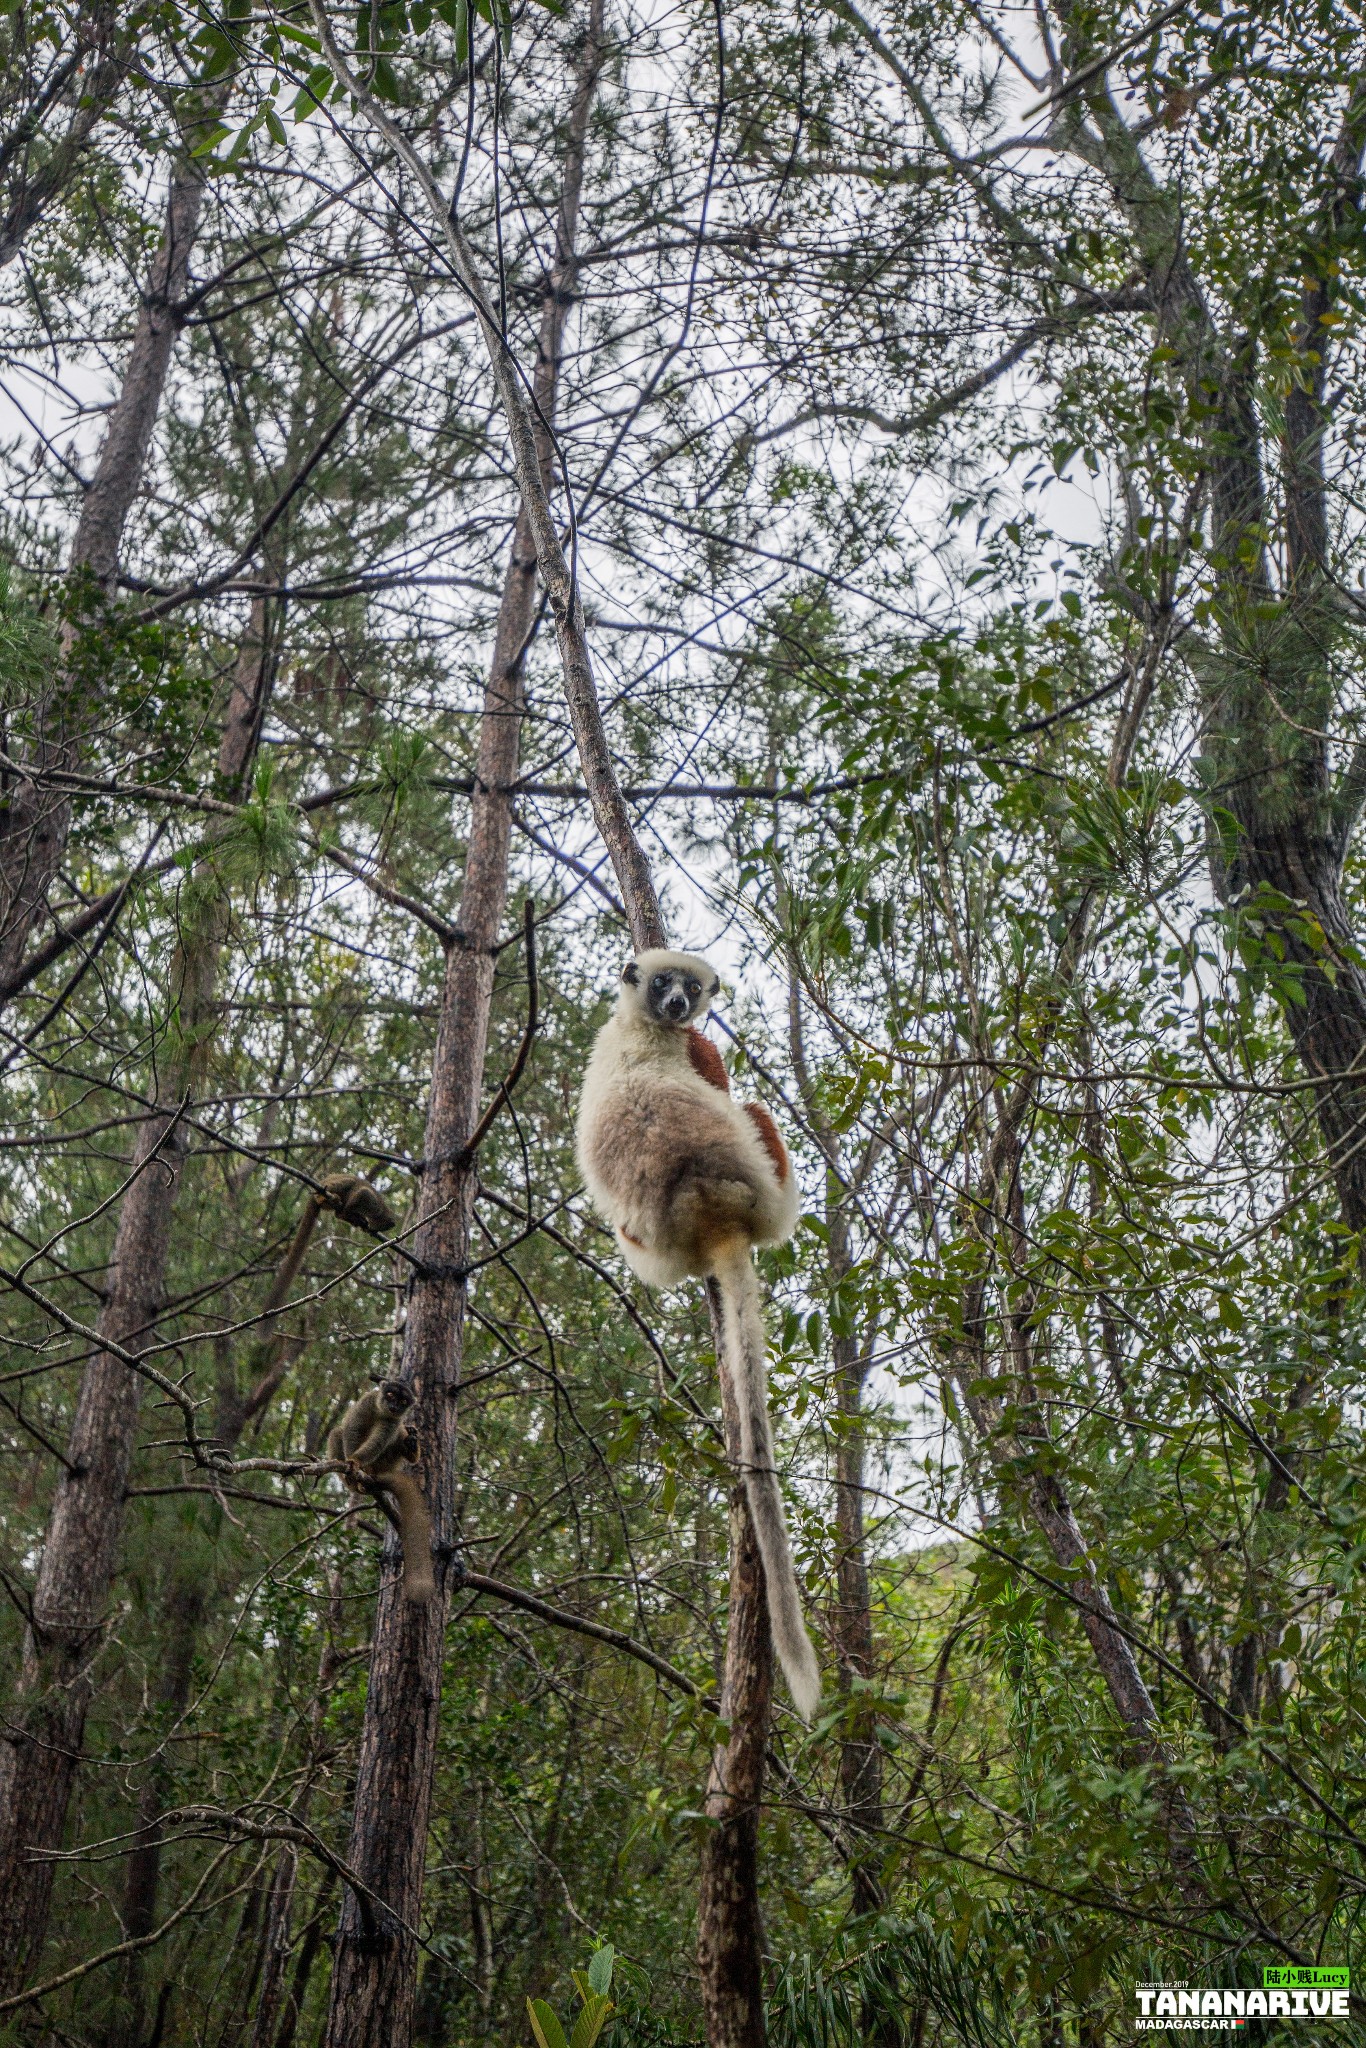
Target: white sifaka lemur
691, 1181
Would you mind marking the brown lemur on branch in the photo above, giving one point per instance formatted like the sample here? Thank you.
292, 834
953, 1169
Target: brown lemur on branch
356, 1203
690, 1182
347, 1196
374, 1442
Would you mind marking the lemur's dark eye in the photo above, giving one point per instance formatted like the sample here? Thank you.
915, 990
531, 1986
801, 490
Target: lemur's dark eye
694, 989
660, 981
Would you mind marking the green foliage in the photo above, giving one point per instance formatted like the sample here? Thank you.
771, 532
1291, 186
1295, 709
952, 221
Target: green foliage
27, 646
892, 1970
901, 461
595, 2007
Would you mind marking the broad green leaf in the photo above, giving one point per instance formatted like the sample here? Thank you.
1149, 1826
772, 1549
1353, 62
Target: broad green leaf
312, 93
544, 2025
591, 2021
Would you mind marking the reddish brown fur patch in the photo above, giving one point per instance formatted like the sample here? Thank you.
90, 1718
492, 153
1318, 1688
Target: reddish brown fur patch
707, 1062
772, 1143
638, 1242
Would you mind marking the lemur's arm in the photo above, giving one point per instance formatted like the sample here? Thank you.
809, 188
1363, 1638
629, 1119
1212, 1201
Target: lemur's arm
706, 1061
708, 1065
770, 1139
378, 1439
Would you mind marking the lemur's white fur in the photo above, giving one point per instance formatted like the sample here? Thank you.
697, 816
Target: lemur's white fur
690, 1181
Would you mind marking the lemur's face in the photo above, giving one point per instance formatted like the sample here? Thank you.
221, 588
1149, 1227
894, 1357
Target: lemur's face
396, 1397
672, 988
673, 997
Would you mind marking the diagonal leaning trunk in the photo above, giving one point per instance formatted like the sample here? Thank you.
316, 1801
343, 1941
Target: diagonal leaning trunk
1029, 1472
1264, 680
96, 60
35, 818
41, 1745
733, 1974
851, 1617
1280, 825
374, 1973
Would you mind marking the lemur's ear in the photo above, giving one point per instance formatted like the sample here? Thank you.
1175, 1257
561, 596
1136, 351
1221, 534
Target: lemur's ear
714, 987
631, 973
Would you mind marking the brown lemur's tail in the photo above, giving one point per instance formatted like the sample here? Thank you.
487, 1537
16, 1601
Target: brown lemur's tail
746, 1355
415, 1528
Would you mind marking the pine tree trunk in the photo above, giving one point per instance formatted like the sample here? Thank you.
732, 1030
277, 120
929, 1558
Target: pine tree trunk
35, 820
41, 1746
40, 1749
860, 1755
33, 179
184, 1612
279, 1915
861, 1776
375, 1953
730, 1943
374, 1973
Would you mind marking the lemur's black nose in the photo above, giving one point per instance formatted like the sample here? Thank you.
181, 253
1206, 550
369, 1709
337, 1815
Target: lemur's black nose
677, 1006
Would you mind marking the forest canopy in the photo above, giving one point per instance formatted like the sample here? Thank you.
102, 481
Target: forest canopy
872, 495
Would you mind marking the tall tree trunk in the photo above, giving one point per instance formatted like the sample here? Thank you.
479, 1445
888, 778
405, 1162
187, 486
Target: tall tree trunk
1024, 1463
1031, 1475
184, 1612
861, 1773
1294, 865
375, 1952
1265, 688
1280, 828
40, 1750
860, 1753
375, 1965
861, 1776
188, 1599
303, 1969
186, 1604
730, 1946
35, 818
84, 91
748, 1647
279, 1914
479, 1884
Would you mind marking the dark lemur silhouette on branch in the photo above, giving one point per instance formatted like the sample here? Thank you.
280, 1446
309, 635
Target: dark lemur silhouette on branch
374, 1442
346, 1195
356, 1202
691, 1182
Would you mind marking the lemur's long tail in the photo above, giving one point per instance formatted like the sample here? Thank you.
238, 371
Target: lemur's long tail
415, 1528
746, 1356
